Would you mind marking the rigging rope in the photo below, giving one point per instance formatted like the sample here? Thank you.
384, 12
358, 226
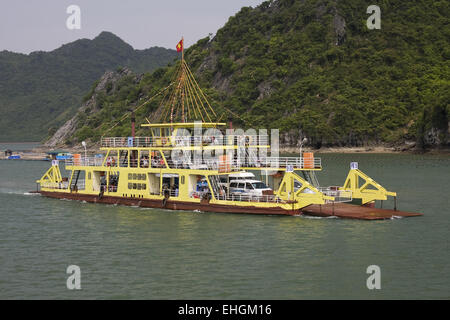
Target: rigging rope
126, 115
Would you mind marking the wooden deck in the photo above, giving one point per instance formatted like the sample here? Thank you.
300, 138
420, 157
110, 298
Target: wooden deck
350, 211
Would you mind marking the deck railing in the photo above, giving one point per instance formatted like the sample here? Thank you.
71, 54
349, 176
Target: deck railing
238, 197
54, 185
284, 162
204, 164
184, 141
339, 195
209, 164
85, 161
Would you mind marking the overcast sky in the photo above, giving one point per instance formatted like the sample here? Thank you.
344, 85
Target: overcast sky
30, 25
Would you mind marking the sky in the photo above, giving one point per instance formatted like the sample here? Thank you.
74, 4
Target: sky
32, 25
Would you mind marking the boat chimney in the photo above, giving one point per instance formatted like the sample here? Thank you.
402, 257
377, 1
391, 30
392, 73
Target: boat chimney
133, 122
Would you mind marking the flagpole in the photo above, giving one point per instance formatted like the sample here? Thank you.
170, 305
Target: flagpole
182, 49
182, 79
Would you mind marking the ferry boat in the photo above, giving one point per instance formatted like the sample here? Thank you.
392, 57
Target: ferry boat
187, 160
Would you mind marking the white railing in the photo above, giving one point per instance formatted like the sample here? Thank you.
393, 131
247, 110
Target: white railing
204, 164
236, 164
184, 141
339, 195
55, 185
238, 197
85, 161
284, 162
207, 164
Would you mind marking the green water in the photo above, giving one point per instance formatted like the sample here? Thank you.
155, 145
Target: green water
135, 253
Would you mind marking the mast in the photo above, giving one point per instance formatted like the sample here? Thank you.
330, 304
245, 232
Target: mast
183, 118
186, 102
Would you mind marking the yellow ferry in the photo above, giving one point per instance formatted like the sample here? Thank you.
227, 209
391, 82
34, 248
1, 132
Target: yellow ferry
190, 162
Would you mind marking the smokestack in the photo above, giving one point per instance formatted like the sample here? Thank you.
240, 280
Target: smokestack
133, 122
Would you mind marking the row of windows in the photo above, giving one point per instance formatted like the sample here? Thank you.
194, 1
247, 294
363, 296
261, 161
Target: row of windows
136, 176
137, 186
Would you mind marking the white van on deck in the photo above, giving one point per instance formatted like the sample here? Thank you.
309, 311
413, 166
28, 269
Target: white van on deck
248, 187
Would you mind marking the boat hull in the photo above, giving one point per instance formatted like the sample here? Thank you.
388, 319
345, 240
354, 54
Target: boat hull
171, 204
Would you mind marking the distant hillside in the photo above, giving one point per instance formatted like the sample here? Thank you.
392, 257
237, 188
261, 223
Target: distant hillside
40, 91
313, 69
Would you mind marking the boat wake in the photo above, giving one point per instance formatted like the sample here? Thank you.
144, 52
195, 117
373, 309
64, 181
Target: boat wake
315, 218
31, 194
18, 192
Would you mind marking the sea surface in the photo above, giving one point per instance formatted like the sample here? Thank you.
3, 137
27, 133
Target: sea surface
134, 253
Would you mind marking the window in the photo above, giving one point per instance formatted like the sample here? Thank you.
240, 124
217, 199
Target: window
144, 159
123, 158
248, 186
259, 185
130, 176
113, 182
130, 186
182, 179
241, 185
111, 159
134, 158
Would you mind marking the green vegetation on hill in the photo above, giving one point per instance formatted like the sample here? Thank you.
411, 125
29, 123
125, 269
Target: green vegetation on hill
312, 68
39, 91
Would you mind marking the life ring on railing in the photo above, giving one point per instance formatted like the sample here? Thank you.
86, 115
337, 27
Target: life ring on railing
108, 162
163, 140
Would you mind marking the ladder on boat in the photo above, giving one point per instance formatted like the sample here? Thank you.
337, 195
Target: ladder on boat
217, 188
73, 184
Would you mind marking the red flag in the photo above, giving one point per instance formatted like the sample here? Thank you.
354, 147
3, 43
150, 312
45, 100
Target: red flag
180, 46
